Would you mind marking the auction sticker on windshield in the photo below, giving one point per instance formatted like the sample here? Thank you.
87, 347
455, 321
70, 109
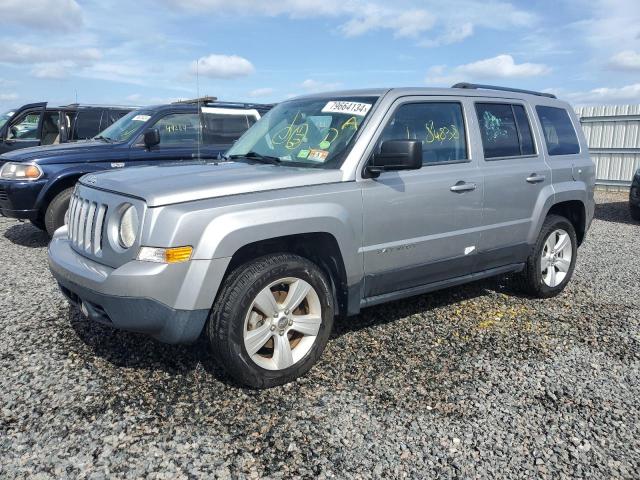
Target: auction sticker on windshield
348, 108
141, 118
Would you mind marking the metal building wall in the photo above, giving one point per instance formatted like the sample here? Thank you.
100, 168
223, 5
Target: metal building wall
613, 135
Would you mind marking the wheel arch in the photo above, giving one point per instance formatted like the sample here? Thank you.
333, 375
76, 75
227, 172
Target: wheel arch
57, 184
321, 248
575, 212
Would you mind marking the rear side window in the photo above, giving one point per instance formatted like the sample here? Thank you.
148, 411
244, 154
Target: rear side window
87, 124
225, 129
558, 131
505, 130
438, 125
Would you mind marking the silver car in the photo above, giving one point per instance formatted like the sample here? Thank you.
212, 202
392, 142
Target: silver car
331, 203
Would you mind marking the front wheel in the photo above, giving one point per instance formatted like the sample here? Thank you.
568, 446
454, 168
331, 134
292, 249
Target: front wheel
552, 260
271, 320
57, 209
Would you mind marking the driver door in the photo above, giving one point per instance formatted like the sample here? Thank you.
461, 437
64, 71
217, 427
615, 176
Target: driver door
24, 129
178, 141
422, 226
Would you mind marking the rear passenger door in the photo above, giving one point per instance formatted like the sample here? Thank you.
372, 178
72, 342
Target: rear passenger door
422, 226
515, 175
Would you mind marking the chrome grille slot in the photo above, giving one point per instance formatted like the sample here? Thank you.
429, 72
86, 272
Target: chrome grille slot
88, 230
86, 224
97, 229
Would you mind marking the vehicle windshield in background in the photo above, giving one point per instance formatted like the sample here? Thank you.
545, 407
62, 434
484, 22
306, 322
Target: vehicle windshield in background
126, 127
310, 132
4, 118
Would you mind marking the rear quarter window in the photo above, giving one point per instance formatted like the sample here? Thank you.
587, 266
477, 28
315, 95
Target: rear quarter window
222, 129
558, 130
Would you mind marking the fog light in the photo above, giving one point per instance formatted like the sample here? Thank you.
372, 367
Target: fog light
165, 255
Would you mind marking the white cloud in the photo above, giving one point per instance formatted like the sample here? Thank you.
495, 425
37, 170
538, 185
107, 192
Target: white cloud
222, 66
44, 14
607, 95
500, 66
314, 86
123, 72
403, 23
8, 97
52, 70
503, 66
611, 22
407, 18
134, 97
261, 92
455, 34
626, 60
21, 53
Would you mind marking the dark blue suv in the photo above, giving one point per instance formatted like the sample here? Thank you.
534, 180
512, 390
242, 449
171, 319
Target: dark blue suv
634, 196
36, 183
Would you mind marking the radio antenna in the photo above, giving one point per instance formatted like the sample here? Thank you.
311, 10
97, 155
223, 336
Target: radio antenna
199, 109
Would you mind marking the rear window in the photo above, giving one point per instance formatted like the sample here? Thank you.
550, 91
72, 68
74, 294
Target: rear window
505, 130
558, 131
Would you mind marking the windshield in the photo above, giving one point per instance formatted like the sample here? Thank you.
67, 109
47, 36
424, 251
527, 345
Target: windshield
309, 132
126, 127
4, 118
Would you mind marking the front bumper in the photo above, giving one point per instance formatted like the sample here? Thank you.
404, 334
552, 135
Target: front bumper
18, 199
171, 303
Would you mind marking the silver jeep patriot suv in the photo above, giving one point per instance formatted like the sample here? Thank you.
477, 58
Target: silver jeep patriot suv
329, 204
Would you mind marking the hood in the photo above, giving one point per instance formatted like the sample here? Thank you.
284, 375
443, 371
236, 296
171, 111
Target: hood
168, 184
57, 153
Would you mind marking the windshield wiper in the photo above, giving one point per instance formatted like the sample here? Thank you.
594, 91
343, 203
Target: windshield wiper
106, 139
258, 157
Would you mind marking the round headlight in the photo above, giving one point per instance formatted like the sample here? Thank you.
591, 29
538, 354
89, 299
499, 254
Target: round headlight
128, 227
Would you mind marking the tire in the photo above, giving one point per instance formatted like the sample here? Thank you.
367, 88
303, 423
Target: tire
635, 212
39, 224
54, 215
535, 281
235, 314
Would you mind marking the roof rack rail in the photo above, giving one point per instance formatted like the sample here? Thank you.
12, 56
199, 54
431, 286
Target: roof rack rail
503, 89
206, 99
95, 105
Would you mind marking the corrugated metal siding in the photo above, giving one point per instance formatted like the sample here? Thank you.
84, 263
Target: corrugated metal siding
613, 135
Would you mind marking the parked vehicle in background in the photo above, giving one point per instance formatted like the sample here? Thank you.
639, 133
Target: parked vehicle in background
329, 204
634, 196
36, 124
36, 183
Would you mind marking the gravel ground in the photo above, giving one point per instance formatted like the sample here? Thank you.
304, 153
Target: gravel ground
472, 382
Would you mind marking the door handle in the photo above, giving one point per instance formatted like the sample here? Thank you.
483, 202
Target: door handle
535, 178
463, 187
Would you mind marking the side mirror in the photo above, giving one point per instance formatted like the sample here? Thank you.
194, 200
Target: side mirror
151, 137
396, 155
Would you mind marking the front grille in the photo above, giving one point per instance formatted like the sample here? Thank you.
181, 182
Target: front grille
3, 195
86, 224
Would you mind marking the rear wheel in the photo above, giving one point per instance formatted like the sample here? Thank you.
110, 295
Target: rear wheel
635, 212
552, 260
56, 211
271, 320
